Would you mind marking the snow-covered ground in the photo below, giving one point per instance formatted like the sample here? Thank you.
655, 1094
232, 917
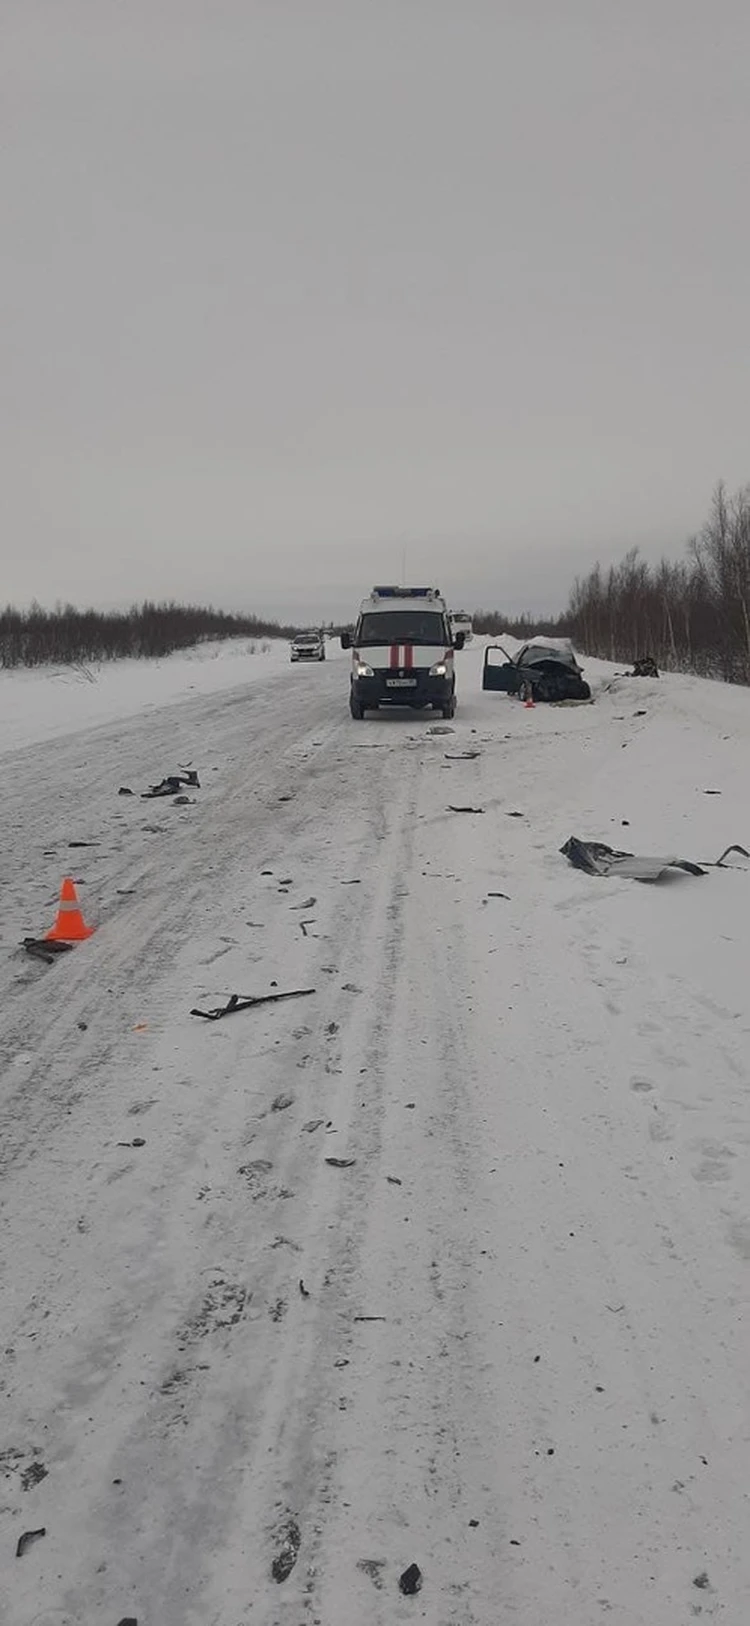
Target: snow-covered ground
520, 1356
41, 704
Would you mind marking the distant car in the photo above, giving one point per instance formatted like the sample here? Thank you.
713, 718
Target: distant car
308, 646
545, 669
461, 622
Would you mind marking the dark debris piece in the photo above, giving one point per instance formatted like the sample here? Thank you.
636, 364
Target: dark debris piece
33, 1475
597, 859
411, 1580
452, 809
27, 1540
172, 784
341, 1162
244, 1002
42, 948
125, 791
286, 1556
720, 864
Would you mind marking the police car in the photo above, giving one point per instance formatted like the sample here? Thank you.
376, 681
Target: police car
308, 646
402, 652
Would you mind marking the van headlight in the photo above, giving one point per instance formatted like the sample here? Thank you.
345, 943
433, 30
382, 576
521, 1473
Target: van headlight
363, 670
440, 670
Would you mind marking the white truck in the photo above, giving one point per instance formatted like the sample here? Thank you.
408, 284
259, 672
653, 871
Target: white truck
461, 622
402, 652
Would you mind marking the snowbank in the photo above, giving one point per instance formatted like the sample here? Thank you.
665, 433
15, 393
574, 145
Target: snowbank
40, 704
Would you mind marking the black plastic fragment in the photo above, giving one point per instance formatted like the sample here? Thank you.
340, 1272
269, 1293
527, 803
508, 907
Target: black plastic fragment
411, 1580
244, 1002
27, 1540
43, 948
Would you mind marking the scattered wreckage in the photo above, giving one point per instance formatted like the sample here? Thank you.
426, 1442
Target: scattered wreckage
594, 858
545, 669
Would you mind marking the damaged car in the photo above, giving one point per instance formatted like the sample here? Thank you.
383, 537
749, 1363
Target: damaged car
545, 669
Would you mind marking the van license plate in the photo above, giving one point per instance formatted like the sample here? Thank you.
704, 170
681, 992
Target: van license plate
401, 683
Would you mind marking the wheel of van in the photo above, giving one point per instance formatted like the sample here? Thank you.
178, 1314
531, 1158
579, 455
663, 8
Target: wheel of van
449, 709
356, 708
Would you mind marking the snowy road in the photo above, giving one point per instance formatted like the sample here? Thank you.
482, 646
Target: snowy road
520, 1356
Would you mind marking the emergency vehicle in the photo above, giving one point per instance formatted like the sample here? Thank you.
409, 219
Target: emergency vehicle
402, 652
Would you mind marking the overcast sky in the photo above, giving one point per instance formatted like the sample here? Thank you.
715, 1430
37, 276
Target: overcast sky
289, 286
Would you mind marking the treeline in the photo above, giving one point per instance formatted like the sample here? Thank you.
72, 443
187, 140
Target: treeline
69, 637
493, 624
690, 614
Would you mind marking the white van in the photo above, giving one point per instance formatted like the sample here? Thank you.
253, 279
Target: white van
402, 652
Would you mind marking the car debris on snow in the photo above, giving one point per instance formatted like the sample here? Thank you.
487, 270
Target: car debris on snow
171, 784
644, 668
341, 1162
452, 809
33, 1476
286, 1557
721, 862
42, 948
245, 1002
597, 859
27, 1540
411, 1580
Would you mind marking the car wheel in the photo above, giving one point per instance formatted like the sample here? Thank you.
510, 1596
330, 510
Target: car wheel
356, 708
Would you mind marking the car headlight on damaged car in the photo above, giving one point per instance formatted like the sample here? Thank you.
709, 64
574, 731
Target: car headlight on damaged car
363, 670
440, 670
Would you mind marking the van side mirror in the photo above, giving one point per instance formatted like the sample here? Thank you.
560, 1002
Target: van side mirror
459, 640
346, 640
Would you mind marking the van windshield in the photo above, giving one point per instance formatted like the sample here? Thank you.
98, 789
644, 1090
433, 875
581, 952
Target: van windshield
401, 627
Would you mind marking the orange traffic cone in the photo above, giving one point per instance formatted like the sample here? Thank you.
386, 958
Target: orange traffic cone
70, 926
